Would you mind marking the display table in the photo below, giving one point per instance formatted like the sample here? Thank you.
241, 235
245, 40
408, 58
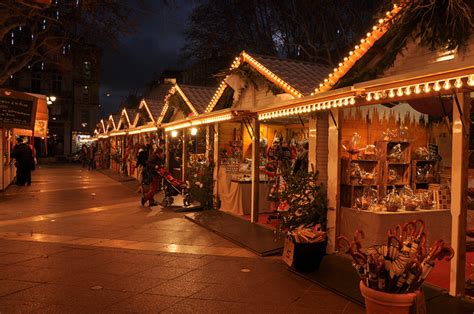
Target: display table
236, 195
375, 224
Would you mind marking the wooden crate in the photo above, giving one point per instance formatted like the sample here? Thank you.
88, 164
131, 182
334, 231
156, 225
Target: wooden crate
394, 172
416, 183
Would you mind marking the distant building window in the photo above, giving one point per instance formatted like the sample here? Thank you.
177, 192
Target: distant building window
56, 85
36, 82
85, 93
87, 69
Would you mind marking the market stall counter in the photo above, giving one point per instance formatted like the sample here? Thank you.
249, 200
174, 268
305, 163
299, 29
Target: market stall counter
375, 224
234, 192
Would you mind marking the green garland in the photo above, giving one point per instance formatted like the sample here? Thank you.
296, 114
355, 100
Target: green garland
436, 24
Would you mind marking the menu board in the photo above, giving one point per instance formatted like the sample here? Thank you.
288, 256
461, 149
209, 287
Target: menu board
17, 113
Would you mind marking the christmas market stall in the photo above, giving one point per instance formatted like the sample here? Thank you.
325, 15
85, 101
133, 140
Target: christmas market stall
115, 142
397, 139
250, 156
25, 115
184, 146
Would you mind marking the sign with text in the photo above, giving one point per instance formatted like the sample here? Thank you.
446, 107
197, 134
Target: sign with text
17, 111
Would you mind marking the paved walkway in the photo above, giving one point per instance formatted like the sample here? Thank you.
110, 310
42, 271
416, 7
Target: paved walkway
78, 241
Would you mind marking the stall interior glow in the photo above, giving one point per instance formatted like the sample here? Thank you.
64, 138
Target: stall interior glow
194, 131
174, 133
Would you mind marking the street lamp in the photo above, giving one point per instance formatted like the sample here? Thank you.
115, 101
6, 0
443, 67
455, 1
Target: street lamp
50, 99
194, 131
174, 133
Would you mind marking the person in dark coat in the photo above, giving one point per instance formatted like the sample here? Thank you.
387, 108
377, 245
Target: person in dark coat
24, 162
150, 178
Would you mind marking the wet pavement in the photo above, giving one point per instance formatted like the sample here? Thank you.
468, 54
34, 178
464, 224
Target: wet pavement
78, 241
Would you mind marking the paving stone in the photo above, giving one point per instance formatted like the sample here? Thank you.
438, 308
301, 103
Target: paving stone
68, 295
136, 284
144, 303
162, 272
178, 288
11, 286
19, 306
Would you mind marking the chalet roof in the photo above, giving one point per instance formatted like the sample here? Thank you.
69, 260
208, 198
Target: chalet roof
297, 78
155, 99
302, 76
131, 114
199, 96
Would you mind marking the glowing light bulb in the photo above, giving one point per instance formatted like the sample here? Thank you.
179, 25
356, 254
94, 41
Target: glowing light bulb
369, 97
376, 96
408, 91
417, 89
174, 133
447, 85
458, 83
470, 81
427, 88
437, 86
352, 101
391, 93
400, 92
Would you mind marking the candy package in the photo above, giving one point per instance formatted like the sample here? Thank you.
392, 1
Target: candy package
396, 153
426, 199
393, 201
353, 147
367, 199
370, 152
425, 173
410, 200
393, 176
422, 153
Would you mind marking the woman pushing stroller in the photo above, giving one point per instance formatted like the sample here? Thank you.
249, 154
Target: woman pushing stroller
151, 180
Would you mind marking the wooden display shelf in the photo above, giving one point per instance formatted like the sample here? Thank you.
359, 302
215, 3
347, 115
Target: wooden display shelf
422, 184
389, 166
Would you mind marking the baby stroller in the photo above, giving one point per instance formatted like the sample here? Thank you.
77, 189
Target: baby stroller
172, 187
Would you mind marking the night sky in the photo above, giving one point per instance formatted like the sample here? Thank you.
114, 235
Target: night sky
153, 48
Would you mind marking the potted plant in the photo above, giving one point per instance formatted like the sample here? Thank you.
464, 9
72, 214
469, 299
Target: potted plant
303, 213
201, 183
392, 273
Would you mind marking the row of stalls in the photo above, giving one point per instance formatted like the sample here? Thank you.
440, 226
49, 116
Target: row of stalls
21, 115
389, 149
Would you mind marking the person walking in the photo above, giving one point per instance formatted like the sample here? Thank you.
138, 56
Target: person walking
151, 180
92, 153
24, 162
142, 157
84, 154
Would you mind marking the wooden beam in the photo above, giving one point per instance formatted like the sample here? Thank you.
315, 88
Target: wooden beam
459, 180
184, 159
333, 181
255, 170
216, 157
312, 141
167, 151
